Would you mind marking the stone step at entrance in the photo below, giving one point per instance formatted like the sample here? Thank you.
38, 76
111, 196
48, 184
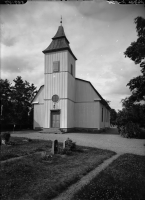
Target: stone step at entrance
51, 130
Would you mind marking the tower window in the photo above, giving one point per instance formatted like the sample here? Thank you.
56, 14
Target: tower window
56, 66
71, 69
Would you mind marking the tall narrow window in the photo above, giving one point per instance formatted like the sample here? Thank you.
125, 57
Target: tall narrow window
71, 69
102, 115
56, 66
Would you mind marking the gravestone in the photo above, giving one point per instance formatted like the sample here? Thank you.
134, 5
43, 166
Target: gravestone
64, 144
54, 149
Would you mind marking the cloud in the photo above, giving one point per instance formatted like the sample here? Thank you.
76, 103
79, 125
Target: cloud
8, 36
102, 10
9, 41
14, 64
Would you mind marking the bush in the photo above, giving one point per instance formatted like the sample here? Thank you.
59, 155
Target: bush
129, 130
70, 145
128, 123
5, 136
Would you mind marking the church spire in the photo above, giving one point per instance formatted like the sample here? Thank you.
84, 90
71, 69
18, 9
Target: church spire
59, 42
61, 21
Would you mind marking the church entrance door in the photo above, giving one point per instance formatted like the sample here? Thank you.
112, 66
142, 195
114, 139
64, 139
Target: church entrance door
55, 119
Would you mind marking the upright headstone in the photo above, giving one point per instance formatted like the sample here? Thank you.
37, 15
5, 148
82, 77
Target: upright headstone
54, 149
64, 144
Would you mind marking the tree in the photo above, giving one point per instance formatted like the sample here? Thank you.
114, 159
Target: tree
113, 117
132, 116
16, 101
5, 100
136, 52
22, 94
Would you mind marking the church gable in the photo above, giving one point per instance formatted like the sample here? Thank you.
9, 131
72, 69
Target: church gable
39, 98
85, 92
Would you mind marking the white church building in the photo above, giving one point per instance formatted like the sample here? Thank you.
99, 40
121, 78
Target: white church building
66, 103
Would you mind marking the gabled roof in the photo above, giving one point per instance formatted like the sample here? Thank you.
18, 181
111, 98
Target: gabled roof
59, 43
37, 93
102, 100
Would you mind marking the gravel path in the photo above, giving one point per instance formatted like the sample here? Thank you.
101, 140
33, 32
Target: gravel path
109, 140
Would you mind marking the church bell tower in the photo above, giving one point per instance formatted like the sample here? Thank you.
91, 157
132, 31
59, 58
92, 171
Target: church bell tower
59, 84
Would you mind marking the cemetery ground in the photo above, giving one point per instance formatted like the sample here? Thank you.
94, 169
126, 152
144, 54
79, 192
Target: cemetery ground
39, 174
123, 179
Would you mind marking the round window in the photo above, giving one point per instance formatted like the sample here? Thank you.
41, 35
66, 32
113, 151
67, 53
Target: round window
55, 98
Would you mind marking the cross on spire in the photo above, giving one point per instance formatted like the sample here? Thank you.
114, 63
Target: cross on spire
61, 21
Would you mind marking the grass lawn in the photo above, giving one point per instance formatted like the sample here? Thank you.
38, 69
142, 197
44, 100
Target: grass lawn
22, 146
124, 179
33, 177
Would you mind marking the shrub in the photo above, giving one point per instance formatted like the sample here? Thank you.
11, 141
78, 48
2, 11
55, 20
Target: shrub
70, 145
5, 136
128, 123
130, 130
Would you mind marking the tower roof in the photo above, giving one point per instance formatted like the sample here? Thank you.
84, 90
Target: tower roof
60, 34
59, 43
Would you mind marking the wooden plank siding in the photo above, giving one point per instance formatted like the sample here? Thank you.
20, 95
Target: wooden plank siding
106, 117
71, 88
56, 84
70, 114
87, 115
85, 92
87, 111
38, 121
38, 114
71, 60
56, 56
62, 106
40, 95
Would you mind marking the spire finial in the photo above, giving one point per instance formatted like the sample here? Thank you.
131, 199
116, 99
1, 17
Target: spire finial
61, 21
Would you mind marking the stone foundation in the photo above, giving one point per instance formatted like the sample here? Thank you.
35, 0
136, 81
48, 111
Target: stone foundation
87, 130
71, 130
38, 128
67, 130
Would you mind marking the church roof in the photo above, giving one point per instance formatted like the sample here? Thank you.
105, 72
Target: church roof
60, 33
59, 43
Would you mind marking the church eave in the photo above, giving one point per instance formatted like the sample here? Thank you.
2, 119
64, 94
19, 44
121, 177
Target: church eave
60, 49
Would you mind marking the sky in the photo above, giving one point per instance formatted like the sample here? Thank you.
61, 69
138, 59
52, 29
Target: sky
98, 32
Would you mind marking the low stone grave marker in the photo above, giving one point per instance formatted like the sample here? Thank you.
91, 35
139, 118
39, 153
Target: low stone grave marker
54, 149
